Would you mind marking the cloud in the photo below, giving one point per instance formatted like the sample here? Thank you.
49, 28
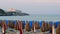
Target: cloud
28, 1
38, 1
31, 6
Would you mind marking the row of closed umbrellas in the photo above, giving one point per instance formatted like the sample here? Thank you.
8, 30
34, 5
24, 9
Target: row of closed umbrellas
31, 22
40, 23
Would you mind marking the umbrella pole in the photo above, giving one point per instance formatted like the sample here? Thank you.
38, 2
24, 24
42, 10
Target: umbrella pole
53, 29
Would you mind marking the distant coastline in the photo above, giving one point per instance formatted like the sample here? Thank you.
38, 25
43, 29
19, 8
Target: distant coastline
12, 12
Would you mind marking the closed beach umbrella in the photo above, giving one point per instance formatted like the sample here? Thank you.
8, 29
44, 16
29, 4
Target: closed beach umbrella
7, 22
57, 23
0, 23
27, 26
51, 23
58, 29
14, 22
4, 27
43, 26
20, 27
34, 28
30, 23
23, 24
40, 23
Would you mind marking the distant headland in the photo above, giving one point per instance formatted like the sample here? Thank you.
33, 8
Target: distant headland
12, 12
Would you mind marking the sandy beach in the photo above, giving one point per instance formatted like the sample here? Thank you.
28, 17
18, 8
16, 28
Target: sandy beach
8, 31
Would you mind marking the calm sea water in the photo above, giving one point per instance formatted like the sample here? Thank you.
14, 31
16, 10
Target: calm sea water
32, 17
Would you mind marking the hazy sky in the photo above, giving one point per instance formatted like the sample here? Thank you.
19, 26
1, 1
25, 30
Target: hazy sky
33, 6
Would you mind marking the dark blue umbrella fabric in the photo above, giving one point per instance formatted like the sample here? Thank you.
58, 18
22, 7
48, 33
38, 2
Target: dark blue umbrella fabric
57, 23
40, 23
24, 23
7, 21
31, 23
14, 22
51, 23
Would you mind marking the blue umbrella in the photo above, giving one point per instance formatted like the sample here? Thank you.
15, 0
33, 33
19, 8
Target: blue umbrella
24, 23
7, 22
15, 22
31, 23
57, 23
51, 23
40, 23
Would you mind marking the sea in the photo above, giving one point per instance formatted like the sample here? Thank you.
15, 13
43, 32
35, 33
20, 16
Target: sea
35, 17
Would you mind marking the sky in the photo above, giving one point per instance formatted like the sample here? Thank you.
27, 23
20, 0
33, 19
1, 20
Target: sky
33, 6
